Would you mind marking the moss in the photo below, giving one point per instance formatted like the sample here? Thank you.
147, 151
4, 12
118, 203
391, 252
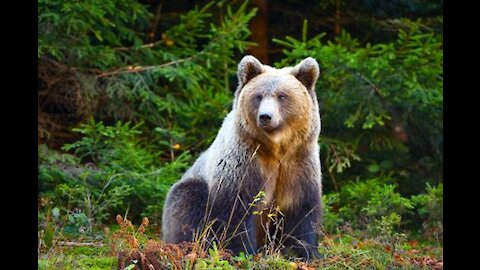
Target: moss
43, 264
96, 258
91, 251
97, 263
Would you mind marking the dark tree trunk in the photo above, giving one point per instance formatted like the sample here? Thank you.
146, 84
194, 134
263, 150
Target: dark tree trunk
259, 28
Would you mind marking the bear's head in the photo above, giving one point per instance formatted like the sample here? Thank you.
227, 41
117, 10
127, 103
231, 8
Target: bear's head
277, 106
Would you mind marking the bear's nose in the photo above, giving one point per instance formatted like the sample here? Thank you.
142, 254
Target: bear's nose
265, 118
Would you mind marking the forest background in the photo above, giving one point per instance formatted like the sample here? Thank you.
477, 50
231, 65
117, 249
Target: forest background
131, 92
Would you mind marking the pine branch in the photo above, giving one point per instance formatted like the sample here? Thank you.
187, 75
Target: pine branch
137, 69
374, 87
145, 46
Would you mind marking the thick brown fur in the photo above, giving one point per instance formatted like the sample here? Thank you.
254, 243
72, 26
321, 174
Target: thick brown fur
298, 127
268, 142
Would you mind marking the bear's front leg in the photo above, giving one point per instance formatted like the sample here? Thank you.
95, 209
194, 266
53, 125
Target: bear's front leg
299, 232
233, 224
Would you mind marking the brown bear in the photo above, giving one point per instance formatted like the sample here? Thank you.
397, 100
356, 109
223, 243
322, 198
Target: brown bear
267, 145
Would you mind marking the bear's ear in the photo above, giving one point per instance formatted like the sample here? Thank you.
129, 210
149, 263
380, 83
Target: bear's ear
307, 72
248, 68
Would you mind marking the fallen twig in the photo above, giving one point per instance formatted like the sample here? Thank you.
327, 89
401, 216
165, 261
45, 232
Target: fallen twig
80, 244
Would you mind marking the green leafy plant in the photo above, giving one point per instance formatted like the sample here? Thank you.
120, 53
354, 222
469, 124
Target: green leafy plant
331, 217
123, 165
430, 209
387, 228
363, 202
244, 261
214, 261
48, 229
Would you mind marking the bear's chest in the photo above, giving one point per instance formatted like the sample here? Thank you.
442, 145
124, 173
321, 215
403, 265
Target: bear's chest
280, 184
279, 177
271, 177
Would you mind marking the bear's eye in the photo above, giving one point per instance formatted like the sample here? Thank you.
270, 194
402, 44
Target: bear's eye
282, 97
258, 98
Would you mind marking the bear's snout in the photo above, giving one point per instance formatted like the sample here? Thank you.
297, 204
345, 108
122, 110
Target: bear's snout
265, 118
267, 122
268, 115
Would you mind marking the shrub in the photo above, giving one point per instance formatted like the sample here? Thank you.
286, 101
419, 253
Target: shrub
364, 202
429, 207
112, 166
331, 217
85, 194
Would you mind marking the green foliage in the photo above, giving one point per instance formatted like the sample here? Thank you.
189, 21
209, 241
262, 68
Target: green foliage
97, 258
77, 222
387, 230
430, 210
244, 261
184, 97
84, 33
87, 251
339, 155
275, 262
123, 169
331, 217
214, 261
84, 192
380, 102
363, 204
115, 145
371, 199
375, 206
48, 234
